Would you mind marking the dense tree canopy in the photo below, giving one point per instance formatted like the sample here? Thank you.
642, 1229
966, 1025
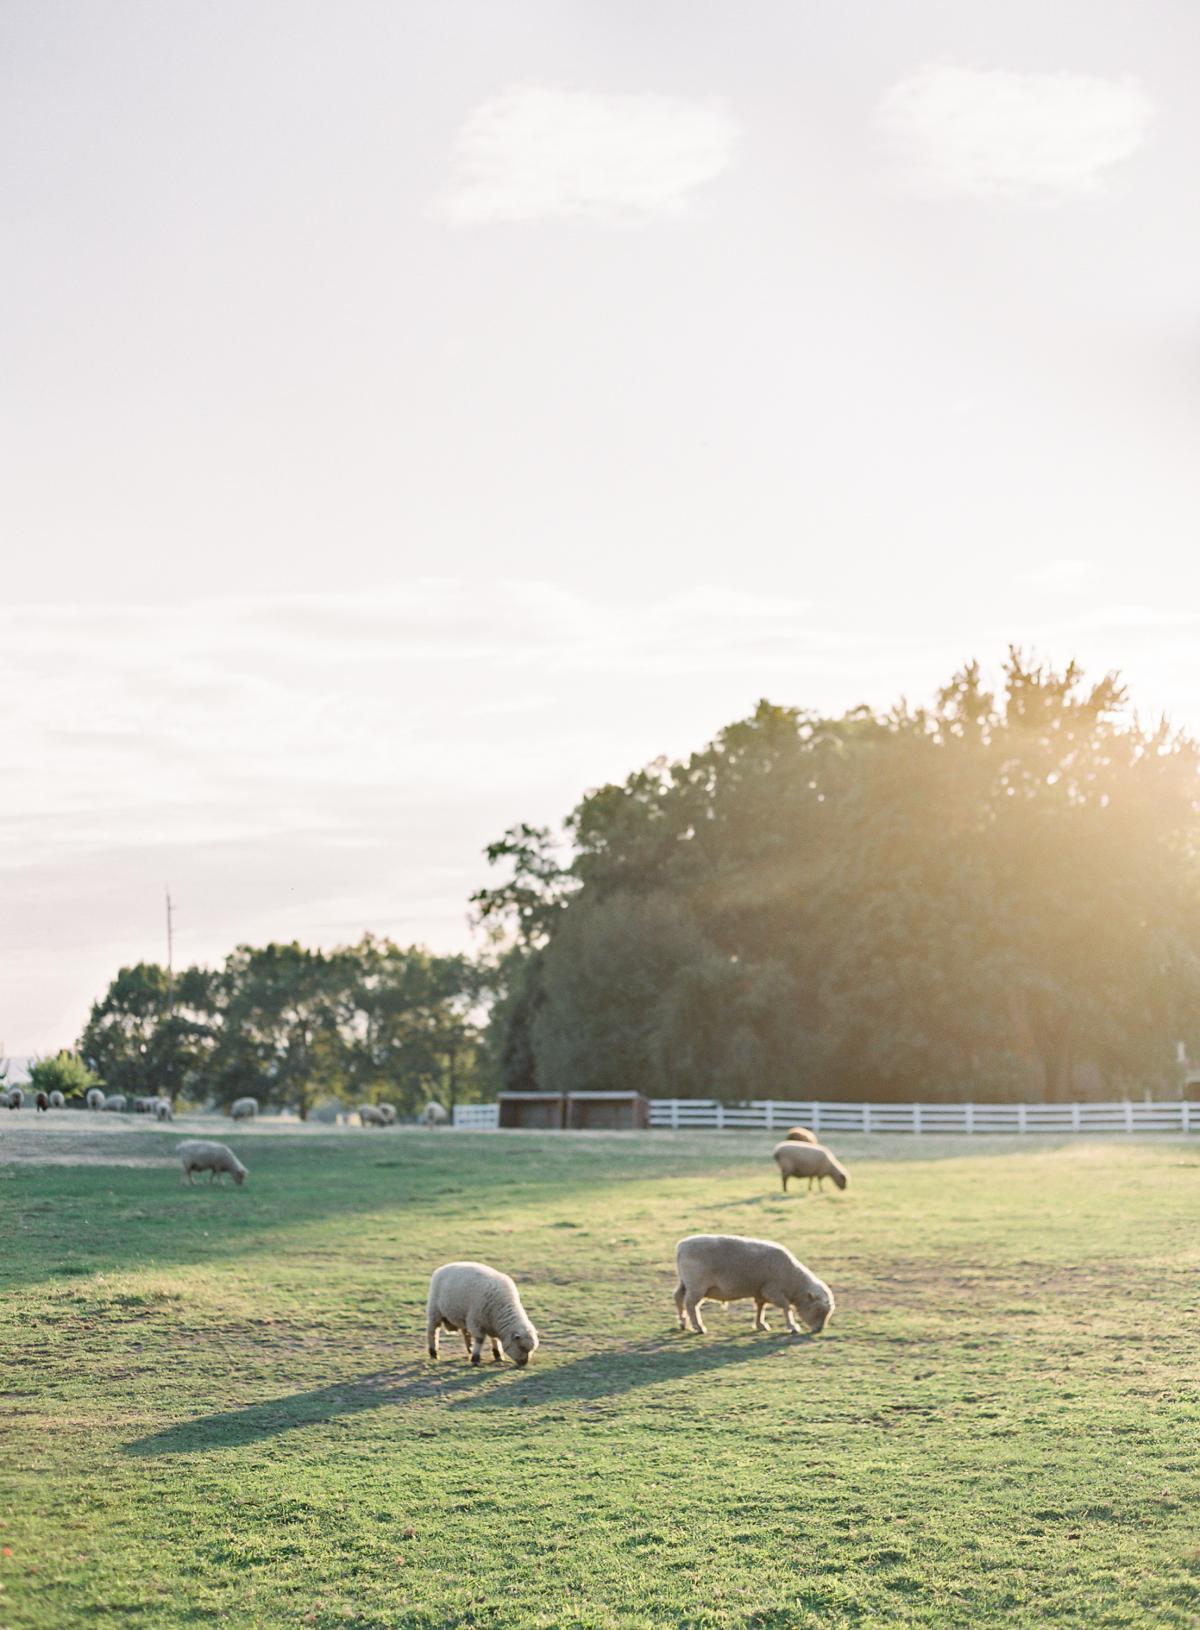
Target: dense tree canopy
292, 1026
997, 895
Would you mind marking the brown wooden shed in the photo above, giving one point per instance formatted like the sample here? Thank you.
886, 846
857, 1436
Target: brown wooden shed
540, 1111
607, 1112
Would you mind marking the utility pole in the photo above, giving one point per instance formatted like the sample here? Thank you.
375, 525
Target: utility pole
170, 954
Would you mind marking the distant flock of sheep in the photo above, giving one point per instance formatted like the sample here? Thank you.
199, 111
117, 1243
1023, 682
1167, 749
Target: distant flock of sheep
482, 1304
241, 1109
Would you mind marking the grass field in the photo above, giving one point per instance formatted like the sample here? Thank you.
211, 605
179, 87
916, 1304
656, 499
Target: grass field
215, 1405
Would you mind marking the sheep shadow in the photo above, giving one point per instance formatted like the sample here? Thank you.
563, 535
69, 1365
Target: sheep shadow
591, 1376
234, 1428
608, 1374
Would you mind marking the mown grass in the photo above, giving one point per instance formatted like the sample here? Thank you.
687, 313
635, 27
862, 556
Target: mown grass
215, 1406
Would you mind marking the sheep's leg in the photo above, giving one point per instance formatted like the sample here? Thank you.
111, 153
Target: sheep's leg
186, 1176
680, 1293
785, 1178
793, 1328
432, 1329
759, 1322
693, 1312
466, 1336
497, 1355
476, 1346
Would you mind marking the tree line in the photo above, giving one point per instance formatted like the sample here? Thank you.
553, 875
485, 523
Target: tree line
995, 896
293, 1026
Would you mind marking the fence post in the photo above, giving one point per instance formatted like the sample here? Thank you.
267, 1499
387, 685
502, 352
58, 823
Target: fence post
770, 1114
720, 1117
1021, 1119
1129, 1114
674, 1114
1075, 1118
866, 1117
916, 1117
970, 1109
1185, 1116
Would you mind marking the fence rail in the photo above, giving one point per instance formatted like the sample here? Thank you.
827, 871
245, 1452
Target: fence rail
776, 1115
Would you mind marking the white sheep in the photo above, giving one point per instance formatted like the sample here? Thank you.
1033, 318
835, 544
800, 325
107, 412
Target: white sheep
115, 1101
57, 1101
811, 1160
14, 1098
388, 1111
95, 1098
244, 1109
800, 1134
433, 1114
199, 1155
163, 1110
372, 1115
729, 1268
481, 1303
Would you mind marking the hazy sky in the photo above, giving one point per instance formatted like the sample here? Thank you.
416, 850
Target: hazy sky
414, 414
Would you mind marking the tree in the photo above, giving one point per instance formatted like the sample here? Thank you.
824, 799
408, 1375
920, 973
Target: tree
146, 1040
64, 1072
982, 897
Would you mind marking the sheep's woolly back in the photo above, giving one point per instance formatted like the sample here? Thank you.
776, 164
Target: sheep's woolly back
809, 1160
800, 1134
240, 1108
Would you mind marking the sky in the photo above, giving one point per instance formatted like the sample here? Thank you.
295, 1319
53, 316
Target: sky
414, 415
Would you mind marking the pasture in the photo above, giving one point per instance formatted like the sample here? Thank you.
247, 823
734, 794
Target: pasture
216, 1406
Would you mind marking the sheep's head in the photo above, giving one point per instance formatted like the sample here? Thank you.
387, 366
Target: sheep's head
239, 1175
520, 1345
815, 1307
841, 1178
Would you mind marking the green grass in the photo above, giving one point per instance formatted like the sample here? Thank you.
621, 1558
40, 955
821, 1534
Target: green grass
215, 1406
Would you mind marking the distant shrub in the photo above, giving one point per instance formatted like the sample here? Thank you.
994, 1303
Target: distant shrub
65, 1072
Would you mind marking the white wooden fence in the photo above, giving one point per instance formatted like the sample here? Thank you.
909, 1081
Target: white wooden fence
776, 1115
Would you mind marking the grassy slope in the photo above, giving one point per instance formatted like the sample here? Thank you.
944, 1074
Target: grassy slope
214, 1406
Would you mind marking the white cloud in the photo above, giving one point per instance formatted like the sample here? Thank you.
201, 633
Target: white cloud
532, 152
1032, 138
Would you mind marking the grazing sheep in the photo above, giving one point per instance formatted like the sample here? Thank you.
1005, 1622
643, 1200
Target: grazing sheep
42, 1101
729, 1268
14, 1098
244, 1109
481, 1303
57, 1101
144, 1106
95, 1098
199, 1155
372, 1115
163, 1110
811, 1160
433, 1114
116, 1102
388, 1111
799, 1134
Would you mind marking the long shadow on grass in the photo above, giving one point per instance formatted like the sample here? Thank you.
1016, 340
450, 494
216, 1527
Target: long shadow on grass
597, 1375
